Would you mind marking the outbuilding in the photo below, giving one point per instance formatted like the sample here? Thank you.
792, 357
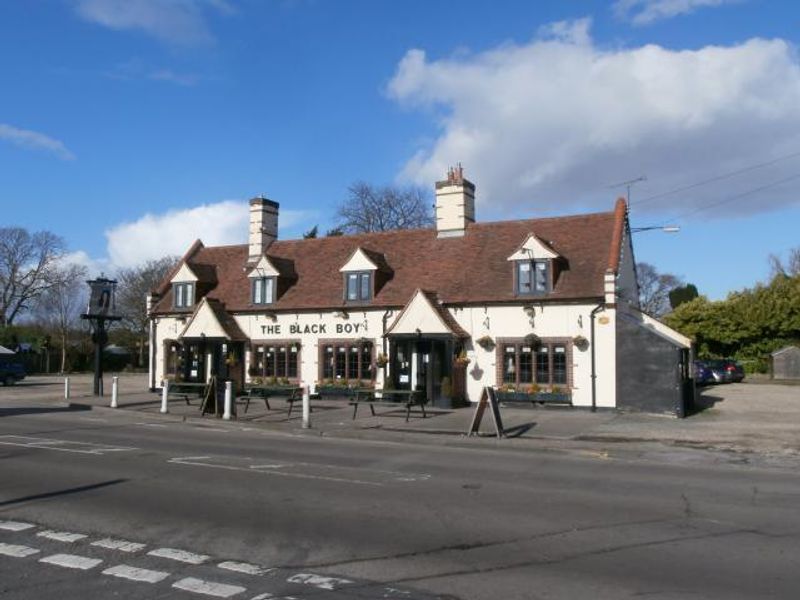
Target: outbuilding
543, 305
786, 363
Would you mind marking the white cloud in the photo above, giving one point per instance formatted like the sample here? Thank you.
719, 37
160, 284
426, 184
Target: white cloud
173, 21
552, 123
94, 266
644, 12
134, 70
172, 232
26, 138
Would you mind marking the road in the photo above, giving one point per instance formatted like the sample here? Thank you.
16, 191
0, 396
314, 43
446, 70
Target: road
113, 504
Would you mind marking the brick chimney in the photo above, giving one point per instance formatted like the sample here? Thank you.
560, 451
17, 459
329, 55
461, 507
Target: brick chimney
455, 204
263, 226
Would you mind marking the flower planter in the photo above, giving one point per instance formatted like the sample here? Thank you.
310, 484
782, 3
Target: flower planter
334, 391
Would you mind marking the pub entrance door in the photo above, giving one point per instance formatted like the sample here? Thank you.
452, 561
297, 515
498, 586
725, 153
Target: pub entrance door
423, 364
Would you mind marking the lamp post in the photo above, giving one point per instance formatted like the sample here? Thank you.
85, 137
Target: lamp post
664, 228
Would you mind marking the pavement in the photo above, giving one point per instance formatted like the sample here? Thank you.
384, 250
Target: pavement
752, 420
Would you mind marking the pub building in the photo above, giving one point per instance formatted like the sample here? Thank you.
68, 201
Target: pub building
542, 305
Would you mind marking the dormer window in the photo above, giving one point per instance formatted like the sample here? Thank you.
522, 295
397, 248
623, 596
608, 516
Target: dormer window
533, 276
263, 290
358, 286
183, 293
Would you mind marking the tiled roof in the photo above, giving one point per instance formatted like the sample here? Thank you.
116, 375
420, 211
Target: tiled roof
469, 269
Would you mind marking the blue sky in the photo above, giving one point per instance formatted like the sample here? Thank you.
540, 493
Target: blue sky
130, 127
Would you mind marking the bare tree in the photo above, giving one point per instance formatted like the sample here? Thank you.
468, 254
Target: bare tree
790, 268
60, 305
654, 289
26, 265
369, 208
134, 284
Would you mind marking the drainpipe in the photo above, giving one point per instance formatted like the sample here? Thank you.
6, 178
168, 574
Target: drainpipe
592, 315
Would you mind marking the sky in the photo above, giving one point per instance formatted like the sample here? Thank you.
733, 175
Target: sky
132, 127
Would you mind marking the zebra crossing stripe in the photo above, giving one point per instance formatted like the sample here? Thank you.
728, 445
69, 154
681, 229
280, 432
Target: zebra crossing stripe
136, 574
319, 581
61, 536
179, 555
15, 526
71, 561
121, 545
246, 568
16, 551
208, 588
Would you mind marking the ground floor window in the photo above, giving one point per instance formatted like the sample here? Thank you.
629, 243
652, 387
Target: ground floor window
275, 362
346, 360
544, 363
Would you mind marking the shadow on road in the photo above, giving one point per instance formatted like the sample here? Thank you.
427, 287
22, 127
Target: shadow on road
703, 402
519, 430
16, 411
75, 490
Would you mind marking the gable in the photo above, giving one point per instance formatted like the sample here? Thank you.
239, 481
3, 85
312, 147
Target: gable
204, 322
264, 268
533, 249
420, 316
184, 275
359, 261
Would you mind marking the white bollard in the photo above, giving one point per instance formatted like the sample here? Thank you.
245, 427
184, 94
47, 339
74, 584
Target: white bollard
66, 388
306, 408
228, 397
114, 391
164, 394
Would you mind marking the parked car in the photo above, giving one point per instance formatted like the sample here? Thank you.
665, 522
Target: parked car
11, 371
702, 373
719, 371
735, 369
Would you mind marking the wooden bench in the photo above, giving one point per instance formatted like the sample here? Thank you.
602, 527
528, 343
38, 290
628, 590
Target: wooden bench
395, 398
291, 394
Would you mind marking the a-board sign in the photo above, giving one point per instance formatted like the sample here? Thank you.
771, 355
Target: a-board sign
488, 398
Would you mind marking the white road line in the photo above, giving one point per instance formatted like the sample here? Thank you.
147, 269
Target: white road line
264, 596
61, 536
320, 581
179, 555
151, 424
15, 525
208, 588
245, 568
135, 574
71, 561
192, 461
16, 551
121, 545
60, 445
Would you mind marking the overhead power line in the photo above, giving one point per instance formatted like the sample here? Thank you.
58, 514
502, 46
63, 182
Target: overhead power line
717, 178
736, 197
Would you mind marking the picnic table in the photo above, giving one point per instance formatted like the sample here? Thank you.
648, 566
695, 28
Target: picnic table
184, 389
383, 397
290, 393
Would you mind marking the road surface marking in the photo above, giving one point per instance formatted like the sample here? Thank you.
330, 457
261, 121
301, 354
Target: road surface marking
151, 424
194, 462
245, 568
121, 545
135, 574
264, 596
16, 551
71, 561
60, 445
208, 588
15, 525
179, 555
320, 581
61, 536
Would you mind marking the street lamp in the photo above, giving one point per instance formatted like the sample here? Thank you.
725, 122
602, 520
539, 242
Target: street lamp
664, 228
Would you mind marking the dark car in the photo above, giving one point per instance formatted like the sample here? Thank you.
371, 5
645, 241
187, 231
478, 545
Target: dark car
11, 371
719, 371
702, 373
734, 369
